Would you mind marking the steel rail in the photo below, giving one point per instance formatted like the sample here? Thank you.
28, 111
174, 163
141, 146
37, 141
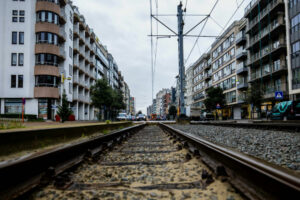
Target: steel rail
255, 178
18, 177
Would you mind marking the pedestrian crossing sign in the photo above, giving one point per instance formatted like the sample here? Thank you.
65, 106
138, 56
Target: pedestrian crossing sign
278, 95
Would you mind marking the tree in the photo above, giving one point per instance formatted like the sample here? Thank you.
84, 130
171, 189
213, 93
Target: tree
101, 95
140, 112
105, 97
172, 111
63, 110
254, 96
214, 96
117, 101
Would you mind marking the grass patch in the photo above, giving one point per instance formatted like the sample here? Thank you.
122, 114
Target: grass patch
105, 132
10, 124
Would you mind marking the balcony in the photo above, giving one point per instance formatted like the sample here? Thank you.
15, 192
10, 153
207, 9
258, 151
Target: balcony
240, 38
269, 92
241, 68
241, 53
76, 30
241, 98
62, 53
263, 13
243, 85
266, 50
273, 29
268, 71
62, 18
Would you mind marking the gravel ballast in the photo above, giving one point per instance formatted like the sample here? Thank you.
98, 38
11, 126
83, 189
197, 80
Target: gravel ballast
278, 147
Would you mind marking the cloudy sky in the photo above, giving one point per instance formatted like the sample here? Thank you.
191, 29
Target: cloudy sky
124, 25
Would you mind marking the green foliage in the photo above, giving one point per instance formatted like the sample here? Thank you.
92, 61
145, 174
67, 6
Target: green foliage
254, 95
117, 97
10, 124
63, 110
107, 122
105, 97
214, 96
172, 111
105, 132
101, 94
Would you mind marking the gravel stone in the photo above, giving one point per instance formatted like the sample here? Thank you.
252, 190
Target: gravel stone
278, 147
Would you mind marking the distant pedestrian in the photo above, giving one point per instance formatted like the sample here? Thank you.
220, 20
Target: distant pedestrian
268, 114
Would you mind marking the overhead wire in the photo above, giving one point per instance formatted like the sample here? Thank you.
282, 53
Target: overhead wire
224, 27
156, 42
214, 6
151, 30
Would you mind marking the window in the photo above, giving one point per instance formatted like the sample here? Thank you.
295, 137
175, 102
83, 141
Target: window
46, 81
47, 16
21, 16
46, 59
276, 65
70, 88
13, 59
70, 70
13, 81
14, 37
14, 16
21, 37
13, 106
20, 81
71, 34
70, 52
71, 17
49, 38
21, 59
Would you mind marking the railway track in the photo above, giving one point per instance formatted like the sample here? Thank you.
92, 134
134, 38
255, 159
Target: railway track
154, 162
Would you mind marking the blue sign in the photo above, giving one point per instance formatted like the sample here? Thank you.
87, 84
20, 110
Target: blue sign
278, 95
218, 106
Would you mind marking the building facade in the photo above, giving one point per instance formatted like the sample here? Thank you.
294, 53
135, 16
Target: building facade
49, 49
267, 46
293, 38
132, 110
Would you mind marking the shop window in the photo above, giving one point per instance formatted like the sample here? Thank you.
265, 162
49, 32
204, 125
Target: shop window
13, 106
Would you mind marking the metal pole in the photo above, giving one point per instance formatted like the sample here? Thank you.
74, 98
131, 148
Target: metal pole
180, 53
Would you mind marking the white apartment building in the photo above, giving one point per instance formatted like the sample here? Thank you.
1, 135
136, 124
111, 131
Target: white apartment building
43, 41
189, 90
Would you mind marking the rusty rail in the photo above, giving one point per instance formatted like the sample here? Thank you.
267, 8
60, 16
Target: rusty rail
20, 176
253, 177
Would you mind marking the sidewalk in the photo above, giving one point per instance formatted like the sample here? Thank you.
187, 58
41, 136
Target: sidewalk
52, 124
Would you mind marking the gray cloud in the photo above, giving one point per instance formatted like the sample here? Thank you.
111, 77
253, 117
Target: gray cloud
123, 26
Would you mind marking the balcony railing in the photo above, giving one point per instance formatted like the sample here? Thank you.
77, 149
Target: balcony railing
263, 12
263, 32
266, 50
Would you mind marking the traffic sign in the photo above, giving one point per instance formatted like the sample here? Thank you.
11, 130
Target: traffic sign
23, 101
218, 106
278, 95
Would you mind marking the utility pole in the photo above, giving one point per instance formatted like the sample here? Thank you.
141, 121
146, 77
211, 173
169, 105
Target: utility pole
180, 54
180, 36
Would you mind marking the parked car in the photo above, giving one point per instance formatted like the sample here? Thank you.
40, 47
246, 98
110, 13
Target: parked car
122, 117
141, 117
286, 110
